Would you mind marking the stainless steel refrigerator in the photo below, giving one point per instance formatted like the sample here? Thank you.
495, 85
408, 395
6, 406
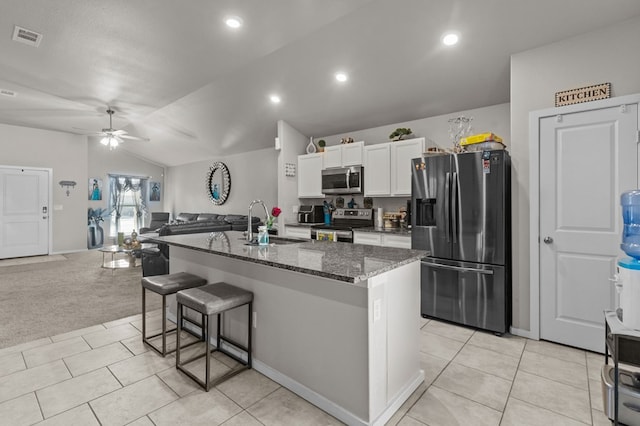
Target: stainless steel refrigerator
461, 214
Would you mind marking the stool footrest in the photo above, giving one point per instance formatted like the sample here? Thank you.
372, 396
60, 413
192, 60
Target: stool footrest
215, 382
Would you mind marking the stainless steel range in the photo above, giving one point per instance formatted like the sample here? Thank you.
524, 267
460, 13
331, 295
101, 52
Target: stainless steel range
342, 225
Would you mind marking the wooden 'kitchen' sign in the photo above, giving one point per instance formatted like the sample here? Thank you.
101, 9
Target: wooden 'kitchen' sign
583, 94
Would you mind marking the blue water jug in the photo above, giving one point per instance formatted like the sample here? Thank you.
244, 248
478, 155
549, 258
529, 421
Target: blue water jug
630, 202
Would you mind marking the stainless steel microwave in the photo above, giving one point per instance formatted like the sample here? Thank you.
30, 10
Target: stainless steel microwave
346, 180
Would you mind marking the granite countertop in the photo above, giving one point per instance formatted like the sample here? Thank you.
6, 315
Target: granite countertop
397, 231
347, 262
302, 225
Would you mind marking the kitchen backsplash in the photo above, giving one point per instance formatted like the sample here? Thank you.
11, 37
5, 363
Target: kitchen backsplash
388, 204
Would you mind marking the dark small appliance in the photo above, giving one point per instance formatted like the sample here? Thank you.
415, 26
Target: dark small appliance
310, 214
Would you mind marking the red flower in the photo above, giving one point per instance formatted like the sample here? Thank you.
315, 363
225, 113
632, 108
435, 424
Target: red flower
275, 212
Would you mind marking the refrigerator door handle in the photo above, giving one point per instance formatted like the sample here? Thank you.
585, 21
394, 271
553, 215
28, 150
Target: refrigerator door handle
447, 206
459, 268
454, 207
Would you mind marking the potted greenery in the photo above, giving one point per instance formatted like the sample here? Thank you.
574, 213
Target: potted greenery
321, 145
400, 133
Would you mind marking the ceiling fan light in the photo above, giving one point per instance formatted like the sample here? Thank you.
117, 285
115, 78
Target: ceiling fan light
105, 141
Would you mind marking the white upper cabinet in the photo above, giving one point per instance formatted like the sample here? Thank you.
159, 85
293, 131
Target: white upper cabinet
310, 176
377, 170
343, 155
401, 154
332, 156
388, 167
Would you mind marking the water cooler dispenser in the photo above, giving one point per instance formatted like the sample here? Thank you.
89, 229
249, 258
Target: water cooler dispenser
623, 326
628, 281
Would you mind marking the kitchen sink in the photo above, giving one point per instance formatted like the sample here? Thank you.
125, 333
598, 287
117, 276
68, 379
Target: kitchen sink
278, 241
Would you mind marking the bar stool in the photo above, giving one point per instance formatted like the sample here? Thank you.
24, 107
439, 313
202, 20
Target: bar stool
165, 285
215, 299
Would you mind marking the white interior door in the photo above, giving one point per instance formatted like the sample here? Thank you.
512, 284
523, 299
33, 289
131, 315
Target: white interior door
587, 159
24, 212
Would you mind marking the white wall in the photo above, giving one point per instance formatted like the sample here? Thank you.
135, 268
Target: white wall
436, 130
253, 176
66, 154
292, 143
102, 162
71, 157
605, 55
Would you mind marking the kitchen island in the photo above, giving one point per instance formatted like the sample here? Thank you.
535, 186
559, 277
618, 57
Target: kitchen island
336, 323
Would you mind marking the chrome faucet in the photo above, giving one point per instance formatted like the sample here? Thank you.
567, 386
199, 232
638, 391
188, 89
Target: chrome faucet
266, 211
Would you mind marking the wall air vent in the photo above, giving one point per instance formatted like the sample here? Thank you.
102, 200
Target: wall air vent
26, 36
6, 92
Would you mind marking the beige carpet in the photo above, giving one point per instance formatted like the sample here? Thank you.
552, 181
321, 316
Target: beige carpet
30, 260
55, 296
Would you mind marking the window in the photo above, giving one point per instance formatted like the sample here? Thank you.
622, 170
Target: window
127, 194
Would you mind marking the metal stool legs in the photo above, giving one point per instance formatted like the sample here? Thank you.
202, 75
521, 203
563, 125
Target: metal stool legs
207, 383
147, 339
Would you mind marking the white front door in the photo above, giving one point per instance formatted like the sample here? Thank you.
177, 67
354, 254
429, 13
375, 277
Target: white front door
587, 159
24, 212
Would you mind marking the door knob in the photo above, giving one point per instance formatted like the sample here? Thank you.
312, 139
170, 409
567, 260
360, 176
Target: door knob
548, 240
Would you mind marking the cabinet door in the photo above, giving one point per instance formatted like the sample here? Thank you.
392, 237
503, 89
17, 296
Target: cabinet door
298, 232
369, 238
377, 170
401, 154
400, 241
352, 154
310, 176
332, 156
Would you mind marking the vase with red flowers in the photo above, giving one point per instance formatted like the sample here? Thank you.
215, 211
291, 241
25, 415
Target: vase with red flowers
275, 212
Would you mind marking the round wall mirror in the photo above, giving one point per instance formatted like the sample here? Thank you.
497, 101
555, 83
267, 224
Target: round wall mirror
218, 183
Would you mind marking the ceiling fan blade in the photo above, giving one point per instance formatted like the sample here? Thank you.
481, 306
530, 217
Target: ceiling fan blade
134, 138
119, 132
94, 134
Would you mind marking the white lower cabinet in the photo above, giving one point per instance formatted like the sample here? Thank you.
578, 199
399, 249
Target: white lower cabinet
400, 241
382, 239
297, 232
369, 238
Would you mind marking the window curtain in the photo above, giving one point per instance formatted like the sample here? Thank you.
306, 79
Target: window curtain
119, 186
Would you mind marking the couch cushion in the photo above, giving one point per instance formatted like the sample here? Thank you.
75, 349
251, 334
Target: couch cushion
186, 217
207, 216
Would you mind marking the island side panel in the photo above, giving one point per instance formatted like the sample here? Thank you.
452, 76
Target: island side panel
310, 329
394, 335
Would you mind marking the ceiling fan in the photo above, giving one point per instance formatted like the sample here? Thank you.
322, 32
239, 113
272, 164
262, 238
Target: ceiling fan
111, 137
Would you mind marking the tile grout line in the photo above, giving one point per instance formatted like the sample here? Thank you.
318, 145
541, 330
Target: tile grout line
513, 381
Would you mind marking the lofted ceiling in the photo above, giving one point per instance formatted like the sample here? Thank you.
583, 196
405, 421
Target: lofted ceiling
174, 73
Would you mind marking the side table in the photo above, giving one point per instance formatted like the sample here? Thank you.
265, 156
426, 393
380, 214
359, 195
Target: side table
129, 259
622, 344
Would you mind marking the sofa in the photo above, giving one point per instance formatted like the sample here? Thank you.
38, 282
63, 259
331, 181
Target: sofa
155, 260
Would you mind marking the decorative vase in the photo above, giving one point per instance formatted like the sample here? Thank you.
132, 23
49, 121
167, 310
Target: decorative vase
311, 148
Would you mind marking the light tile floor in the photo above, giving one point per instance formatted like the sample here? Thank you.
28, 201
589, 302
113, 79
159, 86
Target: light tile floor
104, 375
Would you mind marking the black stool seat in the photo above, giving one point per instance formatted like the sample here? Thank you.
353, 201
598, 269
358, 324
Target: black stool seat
215, 299
165, 285
172, 283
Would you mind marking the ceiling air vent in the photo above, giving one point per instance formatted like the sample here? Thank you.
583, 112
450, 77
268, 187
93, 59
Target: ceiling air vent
6, 92
26, 36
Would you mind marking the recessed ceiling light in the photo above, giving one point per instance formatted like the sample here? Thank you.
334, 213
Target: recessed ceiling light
233, 22
342, 77
275, 99
450, 39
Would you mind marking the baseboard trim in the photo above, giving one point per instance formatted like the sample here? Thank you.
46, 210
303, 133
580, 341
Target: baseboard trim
522, 333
